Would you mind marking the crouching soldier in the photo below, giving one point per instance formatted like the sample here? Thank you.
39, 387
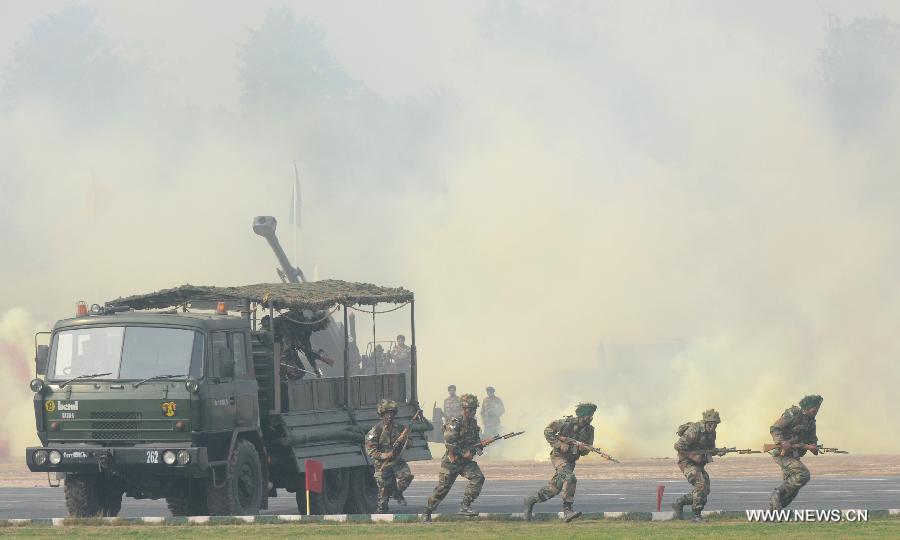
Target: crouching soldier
795, 433
694, 437
384, 443
563, 455
461, 437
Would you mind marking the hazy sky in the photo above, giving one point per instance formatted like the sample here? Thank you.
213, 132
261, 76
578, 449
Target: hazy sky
400, 49
566, 186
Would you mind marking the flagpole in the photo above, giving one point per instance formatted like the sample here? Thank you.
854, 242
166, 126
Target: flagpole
296, 210
307, 491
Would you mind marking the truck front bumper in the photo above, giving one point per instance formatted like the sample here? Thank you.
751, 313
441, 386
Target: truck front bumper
97, 458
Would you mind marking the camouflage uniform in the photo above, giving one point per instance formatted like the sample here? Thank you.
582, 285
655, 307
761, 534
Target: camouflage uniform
391, 476
460, 435
796, 428
694, 436
401, 355
563, 461
491, 411
452, 407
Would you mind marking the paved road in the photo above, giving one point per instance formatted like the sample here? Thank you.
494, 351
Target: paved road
506, 496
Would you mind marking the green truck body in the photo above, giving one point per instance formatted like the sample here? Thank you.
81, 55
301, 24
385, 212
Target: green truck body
192, 407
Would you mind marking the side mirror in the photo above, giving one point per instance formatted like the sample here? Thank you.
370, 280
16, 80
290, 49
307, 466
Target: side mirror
41, 356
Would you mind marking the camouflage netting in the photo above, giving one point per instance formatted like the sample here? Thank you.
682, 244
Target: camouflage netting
316, 295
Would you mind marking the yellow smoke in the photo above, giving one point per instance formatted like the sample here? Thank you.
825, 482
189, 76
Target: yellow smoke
16, 369
624, 178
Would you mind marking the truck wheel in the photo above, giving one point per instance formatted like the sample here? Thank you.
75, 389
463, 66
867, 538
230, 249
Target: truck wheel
335, 489
110, 498
363, 495
242, 493
192, 505
92, 496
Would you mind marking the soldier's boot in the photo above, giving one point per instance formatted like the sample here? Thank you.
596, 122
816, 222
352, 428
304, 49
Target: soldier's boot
426, 516
775, 499
569, 514
401, 500
698, 517
529, 507
678, 508
465, 509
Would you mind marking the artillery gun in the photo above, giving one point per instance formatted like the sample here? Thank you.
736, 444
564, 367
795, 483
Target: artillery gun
327, 337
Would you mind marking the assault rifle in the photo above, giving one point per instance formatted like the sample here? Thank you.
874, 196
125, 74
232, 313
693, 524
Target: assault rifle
800, 446
400, 443
723, 451
480, 445
491, 440
585, 446
404, 435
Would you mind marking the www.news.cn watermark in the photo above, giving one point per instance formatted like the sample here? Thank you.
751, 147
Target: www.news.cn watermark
816, 516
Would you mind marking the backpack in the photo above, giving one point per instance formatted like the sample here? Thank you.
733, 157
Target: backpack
683, 427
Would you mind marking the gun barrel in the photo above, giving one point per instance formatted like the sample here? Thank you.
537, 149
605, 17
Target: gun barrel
265, 226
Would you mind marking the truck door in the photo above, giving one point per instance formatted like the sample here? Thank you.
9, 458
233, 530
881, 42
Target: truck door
245, 379
220, 399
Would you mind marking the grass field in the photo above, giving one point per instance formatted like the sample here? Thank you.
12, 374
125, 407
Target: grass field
725, 528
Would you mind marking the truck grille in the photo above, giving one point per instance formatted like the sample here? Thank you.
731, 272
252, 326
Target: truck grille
123, 425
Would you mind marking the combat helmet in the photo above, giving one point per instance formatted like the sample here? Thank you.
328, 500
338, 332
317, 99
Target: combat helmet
811, 401
387, 405
711, 415
468, 401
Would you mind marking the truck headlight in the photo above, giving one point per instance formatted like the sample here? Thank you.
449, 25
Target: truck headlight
184, 457
191, 385
36, 385
55, 457
39, 457
169, 457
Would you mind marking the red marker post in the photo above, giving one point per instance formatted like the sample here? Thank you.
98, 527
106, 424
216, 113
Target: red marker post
314, 479
659, 494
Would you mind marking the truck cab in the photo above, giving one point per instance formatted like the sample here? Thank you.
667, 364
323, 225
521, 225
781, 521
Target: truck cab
135, 403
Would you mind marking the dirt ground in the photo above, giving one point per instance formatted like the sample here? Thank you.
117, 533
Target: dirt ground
859, 466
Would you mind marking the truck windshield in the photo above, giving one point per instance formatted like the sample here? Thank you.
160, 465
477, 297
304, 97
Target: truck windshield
126, 352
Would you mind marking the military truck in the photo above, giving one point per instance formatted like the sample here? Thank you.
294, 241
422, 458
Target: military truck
153, 396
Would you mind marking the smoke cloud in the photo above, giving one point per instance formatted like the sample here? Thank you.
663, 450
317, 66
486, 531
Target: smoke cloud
16, 410
657, 209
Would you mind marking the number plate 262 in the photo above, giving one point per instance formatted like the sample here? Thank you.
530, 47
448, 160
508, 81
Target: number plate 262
152, 456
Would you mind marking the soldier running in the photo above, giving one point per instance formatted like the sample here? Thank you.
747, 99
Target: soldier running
695, 436
461, 437
392, 474
563, 457
795, 432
